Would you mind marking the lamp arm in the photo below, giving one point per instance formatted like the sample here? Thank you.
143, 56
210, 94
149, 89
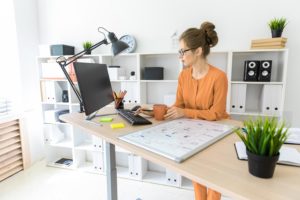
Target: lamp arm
63, 62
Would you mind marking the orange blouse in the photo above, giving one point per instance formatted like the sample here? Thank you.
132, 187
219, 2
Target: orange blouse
204, 98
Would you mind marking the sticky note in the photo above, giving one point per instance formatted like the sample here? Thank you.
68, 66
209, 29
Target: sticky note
117, 125
106, 119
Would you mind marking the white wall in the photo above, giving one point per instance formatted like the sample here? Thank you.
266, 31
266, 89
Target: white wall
152, 23
27, 42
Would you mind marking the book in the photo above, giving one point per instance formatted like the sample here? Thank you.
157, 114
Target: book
64, 162
293, 136
269, 40
268, 44
288, 155
179, 139
268, 47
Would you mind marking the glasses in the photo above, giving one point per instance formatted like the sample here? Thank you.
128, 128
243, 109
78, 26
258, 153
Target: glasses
182, 51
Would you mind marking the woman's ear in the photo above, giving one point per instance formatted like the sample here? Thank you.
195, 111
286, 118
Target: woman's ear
198, 51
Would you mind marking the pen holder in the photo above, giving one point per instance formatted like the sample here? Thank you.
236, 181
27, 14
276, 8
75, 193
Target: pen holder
119, 103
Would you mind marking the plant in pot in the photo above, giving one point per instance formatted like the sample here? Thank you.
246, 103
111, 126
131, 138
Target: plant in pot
87, 45
263, 139
277, 25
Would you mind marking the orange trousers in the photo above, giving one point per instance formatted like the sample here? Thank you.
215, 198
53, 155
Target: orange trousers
202, 193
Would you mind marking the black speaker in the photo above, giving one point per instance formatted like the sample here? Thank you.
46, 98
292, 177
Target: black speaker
65, 96
264, 72
251, 70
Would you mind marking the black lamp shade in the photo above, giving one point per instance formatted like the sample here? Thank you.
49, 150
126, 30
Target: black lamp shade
117, 46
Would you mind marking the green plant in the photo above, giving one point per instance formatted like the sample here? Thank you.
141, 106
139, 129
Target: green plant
263, 137
87, 45
277, 24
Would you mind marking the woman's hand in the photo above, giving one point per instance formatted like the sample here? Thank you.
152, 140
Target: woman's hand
145, 111
174, 113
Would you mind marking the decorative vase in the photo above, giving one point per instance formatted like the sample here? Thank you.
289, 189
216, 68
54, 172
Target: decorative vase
261, 166
276, 33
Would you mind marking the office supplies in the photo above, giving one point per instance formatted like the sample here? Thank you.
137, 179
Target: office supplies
132, 118
178, 139
288, 155
106, 119
64, 161
117, 125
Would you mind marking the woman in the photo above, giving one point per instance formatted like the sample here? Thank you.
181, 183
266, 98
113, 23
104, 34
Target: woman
202, 88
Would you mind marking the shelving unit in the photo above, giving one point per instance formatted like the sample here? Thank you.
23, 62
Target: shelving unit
86, 151
254, 99
14, 155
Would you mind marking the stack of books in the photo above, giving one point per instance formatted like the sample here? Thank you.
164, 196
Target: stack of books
269, 43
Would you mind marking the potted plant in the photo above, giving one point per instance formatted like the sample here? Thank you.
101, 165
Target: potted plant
263, 139
87, 45
277, 25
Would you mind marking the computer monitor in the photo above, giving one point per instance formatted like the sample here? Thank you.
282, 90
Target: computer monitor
94, 86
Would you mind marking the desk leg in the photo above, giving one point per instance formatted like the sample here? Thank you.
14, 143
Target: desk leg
111, 172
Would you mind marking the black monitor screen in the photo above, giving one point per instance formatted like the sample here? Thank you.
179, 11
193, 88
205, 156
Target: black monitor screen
94, 85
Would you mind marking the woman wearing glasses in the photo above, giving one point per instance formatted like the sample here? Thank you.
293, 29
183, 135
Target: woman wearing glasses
202, 88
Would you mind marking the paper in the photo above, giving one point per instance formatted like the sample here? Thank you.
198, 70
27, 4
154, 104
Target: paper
293, 136
288, 155
178, 139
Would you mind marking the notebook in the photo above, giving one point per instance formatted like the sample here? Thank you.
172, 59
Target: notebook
288, 155
179, 139
293, 136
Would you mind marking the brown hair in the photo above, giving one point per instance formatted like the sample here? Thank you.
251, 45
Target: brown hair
205, 37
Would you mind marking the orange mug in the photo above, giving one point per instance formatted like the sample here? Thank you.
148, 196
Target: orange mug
159, 111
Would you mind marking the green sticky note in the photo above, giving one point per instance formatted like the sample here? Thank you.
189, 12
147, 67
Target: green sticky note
106, 119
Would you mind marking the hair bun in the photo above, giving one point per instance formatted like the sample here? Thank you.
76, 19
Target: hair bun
211, 34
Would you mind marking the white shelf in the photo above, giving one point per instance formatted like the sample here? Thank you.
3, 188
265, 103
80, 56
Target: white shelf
252, 113
257, 83
88, 167
85, 146
64, 144
123, 172
121, 150
155, 177
187, 184
159, 81
124, 81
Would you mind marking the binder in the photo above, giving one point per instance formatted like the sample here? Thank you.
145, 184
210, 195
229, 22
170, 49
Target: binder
98, 161
97, 143
238, 98
137, 166
131, 95
173, 178
271, 99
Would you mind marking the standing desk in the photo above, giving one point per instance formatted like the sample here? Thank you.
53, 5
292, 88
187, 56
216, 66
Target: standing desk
217, 166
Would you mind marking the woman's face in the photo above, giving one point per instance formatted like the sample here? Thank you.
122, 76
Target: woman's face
186, 54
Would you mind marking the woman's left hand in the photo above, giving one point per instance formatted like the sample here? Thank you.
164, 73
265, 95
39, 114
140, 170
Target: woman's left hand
174, 113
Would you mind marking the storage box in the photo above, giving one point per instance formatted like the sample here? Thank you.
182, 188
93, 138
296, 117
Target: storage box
154, 73
61, 49
116, 72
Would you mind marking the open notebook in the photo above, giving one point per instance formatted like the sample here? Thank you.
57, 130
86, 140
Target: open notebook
293, 136
288, 155
178, 139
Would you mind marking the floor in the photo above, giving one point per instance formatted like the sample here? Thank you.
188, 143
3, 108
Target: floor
49, 183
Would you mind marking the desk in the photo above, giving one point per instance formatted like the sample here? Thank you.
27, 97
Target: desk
217, 166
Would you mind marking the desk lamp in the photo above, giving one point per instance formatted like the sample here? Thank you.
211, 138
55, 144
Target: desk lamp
117, 47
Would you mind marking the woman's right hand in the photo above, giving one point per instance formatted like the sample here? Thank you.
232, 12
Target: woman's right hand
144, 111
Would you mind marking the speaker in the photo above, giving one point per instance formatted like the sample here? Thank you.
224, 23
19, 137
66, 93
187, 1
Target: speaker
264, 72
251, 70
65, 96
